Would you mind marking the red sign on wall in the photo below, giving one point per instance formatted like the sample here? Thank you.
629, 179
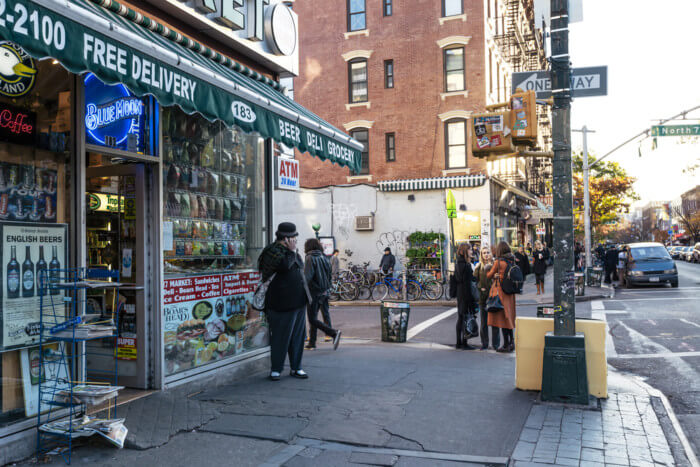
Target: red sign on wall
287, 174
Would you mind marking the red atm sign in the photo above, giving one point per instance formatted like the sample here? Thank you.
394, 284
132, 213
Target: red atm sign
287, 174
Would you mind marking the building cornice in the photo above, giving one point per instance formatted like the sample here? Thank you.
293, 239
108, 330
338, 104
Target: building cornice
453, 40
465, 114
357, 124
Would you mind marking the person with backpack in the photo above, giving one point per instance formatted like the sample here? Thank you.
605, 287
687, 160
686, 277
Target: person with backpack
484, 285
318, 273
463, 277
504, 317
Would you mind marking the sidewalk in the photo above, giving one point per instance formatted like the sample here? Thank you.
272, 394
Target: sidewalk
387, 404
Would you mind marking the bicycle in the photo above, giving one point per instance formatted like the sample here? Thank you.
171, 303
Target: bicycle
393, 288
343, 290
431, 288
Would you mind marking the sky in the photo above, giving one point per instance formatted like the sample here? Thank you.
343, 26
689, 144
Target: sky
651, 51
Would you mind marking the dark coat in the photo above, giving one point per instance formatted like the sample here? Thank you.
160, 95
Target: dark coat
318, 273
463, 276
387, 263
523, 263
286, 292
539, 265
483, 282
611, 259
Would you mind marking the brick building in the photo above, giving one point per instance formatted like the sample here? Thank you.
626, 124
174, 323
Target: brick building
405, 79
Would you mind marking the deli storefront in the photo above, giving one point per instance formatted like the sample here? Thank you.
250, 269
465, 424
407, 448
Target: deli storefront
127, 146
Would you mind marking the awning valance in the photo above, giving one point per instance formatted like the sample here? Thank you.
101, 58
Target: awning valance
436, 183
85, 37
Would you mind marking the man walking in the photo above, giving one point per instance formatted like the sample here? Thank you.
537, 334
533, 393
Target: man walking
335, 264
318, 276
286, 300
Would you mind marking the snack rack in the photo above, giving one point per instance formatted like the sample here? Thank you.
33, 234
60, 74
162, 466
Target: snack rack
62, 362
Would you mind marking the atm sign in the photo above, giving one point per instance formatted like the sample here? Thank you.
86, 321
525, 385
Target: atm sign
287, 174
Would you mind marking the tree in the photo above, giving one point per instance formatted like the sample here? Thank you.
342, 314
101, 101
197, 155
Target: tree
689, 221
611, 193
660, 236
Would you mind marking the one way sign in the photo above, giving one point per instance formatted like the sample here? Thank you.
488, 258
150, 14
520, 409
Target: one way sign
585, 82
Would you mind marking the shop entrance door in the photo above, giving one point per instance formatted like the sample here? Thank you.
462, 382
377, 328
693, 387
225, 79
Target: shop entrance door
117, 237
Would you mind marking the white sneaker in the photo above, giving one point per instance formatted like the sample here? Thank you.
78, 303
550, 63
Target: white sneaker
299, 374
275, 375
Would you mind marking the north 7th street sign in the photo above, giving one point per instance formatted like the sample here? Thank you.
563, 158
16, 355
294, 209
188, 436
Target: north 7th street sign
675, 130
585, 82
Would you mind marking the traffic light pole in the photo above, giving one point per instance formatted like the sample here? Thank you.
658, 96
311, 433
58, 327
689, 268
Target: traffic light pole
564, 317
564, 359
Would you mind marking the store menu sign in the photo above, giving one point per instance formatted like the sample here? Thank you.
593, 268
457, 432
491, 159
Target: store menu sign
208, 318
27, 249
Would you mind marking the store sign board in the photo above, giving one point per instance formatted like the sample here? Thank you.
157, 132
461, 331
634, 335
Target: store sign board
210, 318
81, 47
105, 202
25, 250
540, 231
287, 174
17, 70
27, 193
17, 125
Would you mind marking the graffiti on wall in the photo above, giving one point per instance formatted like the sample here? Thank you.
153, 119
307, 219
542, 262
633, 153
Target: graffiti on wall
343, 219
396, 240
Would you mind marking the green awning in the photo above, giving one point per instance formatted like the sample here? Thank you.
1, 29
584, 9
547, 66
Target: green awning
86, 37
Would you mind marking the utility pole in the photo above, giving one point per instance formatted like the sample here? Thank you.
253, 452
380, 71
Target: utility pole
586, 195
564, 317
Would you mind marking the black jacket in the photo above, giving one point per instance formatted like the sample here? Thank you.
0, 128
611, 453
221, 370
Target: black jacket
463, 276
318, 273
611, 258
286, 292
539, 266
523, 263
387, 263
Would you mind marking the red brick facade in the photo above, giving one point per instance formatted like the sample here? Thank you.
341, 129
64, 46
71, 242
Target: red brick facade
410, 110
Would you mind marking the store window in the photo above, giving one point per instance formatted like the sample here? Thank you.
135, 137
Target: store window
456, 143
362, 136
213, 233
36, 141
452, 7
388, 74
390, 141
388, 7
357, 15
454, 69
358, 81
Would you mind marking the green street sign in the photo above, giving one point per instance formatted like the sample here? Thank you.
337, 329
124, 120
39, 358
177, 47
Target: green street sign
452, 214
675, 130
450, 201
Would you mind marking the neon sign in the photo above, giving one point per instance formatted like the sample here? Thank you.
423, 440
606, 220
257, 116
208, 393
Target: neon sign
114, 117
17, 125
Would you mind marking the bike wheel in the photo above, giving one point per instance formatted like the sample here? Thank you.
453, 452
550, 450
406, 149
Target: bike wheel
379, 291
432, 290
334, 295
364, 293
347, 291
396, 290
413, 291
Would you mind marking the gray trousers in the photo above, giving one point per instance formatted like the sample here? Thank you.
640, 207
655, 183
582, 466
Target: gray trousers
287, 334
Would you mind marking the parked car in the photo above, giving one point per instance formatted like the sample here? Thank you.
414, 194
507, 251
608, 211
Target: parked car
686, 252
674, 251
649, 263
695, 255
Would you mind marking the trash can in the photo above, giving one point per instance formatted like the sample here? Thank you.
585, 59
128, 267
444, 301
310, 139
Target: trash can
594, 277
579, 284
394, 317
545, 311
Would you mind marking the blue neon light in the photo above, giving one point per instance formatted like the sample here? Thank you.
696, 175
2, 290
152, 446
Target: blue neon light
112, 111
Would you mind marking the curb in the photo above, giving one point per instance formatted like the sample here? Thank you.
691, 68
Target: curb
360, 303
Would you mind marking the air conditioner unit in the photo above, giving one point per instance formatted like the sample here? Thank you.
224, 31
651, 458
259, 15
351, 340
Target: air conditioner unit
364, 223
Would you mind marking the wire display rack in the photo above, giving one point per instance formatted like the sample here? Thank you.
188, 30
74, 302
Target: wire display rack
63, 355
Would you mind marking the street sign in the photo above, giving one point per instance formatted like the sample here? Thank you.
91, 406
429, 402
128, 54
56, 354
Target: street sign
585, 82
675, 130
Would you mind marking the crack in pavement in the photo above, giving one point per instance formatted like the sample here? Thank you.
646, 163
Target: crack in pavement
405, 438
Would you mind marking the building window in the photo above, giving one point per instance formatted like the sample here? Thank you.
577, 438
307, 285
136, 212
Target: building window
454, 69
388, 73
388, 7
357, 15
452, 7
358, 80
456, 144
390, 139
361, 135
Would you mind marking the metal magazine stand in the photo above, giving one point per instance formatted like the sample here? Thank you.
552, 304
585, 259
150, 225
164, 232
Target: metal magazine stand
62, 363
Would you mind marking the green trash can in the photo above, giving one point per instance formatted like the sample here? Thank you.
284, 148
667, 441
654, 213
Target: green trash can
579, 284
394, 317
594, 277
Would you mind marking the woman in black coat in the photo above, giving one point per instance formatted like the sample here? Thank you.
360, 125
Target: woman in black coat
463, 277
539, 265
522, 261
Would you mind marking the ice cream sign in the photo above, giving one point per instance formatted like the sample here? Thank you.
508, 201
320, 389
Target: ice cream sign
287, 174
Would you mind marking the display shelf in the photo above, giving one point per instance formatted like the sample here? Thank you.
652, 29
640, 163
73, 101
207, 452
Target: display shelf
201, 219
205, 193
61, 404
190, 165
196, 257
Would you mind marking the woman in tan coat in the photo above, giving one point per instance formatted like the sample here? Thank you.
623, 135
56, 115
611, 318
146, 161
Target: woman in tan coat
503, 319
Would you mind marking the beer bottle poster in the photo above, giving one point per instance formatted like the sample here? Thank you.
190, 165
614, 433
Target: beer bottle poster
27, 249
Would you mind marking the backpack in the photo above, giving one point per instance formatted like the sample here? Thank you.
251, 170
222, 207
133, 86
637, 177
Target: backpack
512, 281
452, 290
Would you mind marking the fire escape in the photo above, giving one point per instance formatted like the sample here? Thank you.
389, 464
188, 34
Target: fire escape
522, 46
